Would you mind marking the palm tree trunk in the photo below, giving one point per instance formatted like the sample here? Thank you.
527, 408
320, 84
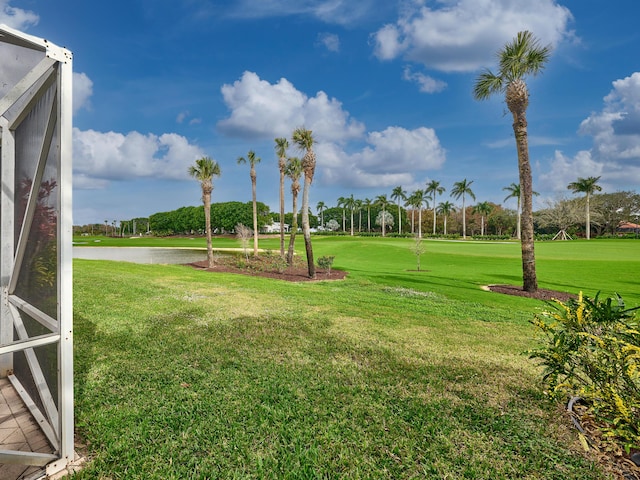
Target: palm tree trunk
255, 217
519, 226
384, 217
588, 217
207, 226
529, 279
352, 222
294, 230
420, 223
399, 220
282, 213
434, 214
445, 225
306, 230
464, 219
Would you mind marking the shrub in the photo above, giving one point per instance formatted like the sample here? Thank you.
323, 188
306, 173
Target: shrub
325, 263
592, 350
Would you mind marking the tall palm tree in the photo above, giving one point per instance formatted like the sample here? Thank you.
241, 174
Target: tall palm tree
461, 189
412, 201
204, 170
350, 203
252, 159
434, 188
281, 151
367, 203
382, 201
320, 208
483, 208
359, 210
521, 57
421, 200
293, 170
303, 138
587, 186
514, 192
342, 203
446, 208
399, 194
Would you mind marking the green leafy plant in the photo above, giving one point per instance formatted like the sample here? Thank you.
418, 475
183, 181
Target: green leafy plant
326, 263
592, 350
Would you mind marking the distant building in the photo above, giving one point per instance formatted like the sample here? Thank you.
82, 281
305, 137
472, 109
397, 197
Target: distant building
628, 227
275, 228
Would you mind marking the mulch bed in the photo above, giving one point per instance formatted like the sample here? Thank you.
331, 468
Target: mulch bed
259, 267
540, 294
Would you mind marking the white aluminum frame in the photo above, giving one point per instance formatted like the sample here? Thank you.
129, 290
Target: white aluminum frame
57, 423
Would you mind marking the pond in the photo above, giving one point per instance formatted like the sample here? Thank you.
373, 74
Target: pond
141, 254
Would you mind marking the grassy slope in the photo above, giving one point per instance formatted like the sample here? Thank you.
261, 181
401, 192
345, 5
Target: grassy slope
389, 374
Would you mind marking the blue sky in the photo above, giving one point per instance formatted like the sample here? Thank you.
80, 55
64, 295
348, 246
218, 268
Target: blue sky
385, 86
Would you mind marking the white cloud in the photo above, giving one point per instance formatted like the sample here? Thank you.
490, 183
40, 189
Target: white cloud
100, 157
394, 156
82, 91
426, 83
464, 35
331, 41
16, 17
182, 116
565, 170
616, 129
260, 109
341, 12
615, 154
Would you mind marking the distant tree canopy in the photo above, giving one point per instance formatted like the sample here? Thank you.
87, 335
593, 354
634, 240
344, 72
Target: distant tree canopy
224, 217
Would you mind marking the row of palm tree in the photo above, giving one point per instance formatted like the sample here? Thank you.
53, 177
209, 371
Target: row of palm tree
521, 57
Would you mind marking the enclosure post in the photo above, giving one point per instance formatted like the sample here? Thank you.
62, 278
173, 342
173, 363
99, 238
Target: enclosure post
65, 259
7, 176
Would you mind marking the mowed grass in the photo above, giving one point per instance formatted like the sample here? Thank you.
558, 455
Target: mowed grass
392, 373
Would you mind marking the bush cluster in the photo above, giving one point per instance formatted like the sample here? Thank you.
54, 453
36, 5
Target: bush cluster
591, 349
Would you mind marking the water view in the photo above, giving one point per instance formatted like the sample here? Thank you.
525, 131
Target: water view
141, 254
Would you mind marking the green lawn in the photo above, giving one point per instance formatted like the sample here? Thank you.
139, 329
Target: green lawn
392, 373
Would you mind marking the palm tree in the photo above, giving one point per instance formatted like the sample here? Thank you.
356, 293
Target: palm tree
281, 151
253, 160
303, 138
587, 186
320, 208
399, 194
412, 201
446, 208
521, 57
382, 201
341, 203
514, 192
461, 189
434, 188
483, 208
350, 203
367, 202
293, 170
204, 170
359, 210
420, 198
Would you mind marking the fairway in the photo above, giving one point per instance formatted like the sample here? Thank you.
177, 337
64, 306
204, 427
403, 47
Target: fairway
391, 373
